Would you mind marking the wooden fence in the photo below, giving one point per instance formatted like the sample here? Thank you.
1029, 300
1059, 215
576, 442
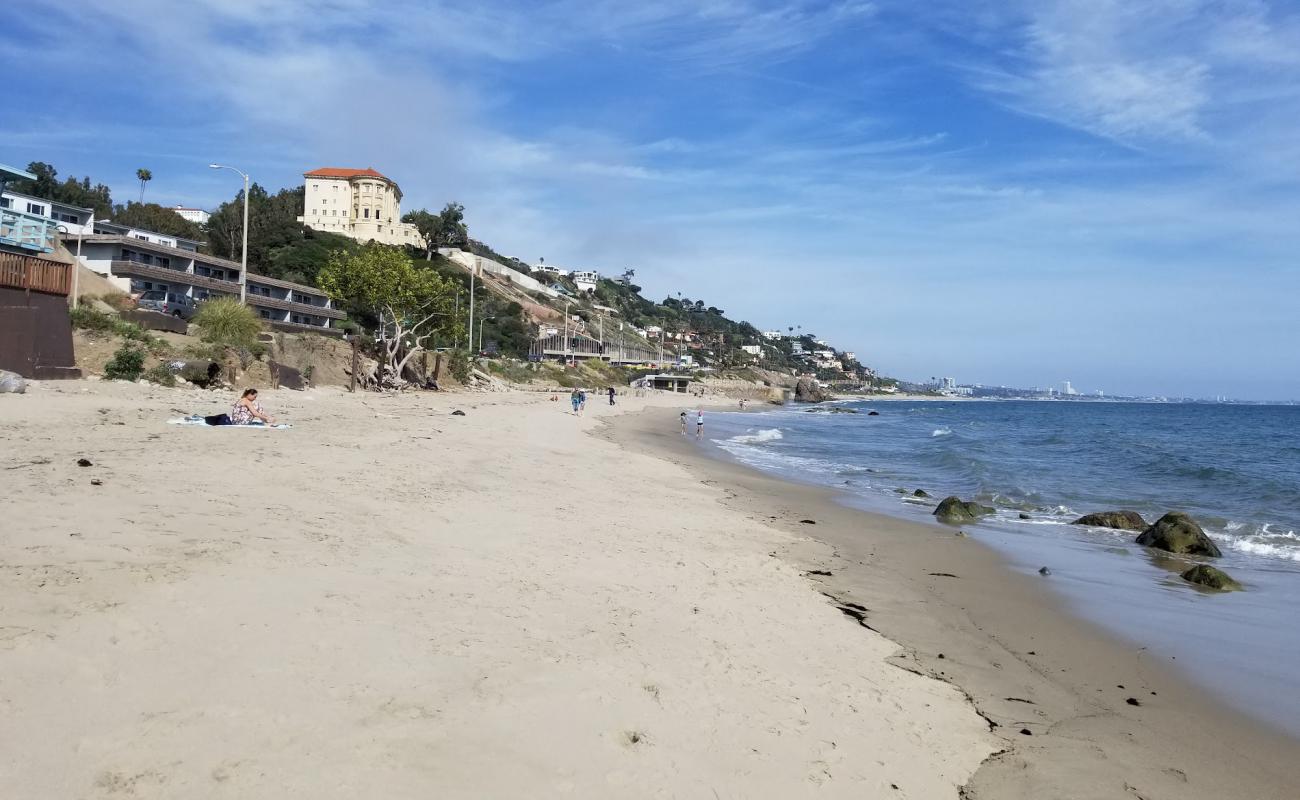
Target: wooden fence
35, 274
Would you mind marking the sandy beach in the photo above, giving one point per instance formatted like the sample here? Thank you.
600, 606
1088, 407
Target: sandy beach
1077, 712
388, 600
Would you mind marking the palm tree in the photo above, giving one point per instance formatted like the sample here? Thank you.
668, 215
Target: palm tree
144, 177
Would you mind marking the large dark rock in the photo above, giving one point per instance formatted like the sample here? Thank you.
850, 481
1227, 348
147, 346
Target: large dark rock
1120, 520
808, 390
1205, 575
1178, 533
954, 510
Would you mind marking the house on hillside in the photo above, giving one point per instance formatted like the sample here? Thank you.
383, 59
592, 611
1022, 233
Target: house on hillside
196, 215
586, 280
72, 218
361, 204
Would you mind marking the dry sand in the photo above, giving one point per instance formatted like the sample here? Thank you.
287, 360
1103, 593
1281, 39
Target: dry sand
391, 601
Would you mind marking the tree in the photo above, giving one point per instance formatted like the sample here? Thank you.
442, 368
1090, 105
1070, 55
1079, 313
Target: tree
144, 176
153, 217
410, 304
71, 191
444, 229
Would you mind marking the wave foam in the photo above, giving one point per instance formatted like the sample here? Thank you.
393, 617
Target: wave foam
941, 432
765, 435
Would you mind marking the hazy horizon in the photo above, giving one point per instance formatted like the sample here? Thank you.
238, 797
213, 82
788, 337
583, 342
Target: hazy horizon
1011, 193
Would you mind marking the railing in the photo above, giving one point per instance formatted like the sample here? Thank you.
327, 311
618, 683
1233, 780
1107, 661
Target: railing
136, 269
28, 231
293, 305
35, 274
584, 347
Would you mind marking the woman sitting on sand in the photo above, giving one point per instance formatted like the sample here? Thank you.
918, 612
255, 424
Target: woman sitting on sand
247, 411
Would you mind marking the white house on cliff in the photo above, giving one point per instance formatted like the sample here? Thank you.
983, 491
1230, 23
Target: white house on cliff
359, 203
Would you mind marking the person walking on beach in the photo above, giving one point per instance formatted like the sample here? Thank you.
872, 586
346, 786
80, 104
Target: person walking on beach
611, 395
582, 400
575, 399
699, 423
683, 423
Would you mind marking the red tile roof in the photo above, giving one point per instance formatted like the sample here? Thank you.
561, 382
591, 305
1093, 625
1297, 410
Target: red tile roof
343, 172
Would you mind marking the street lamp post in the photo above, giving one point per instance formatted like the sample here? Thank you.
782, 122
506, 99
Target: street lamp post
243, 259
76, 267
481, 323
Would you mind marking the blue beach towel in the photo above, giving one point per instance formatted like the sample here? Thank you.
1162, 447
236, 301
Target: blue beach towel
196, 419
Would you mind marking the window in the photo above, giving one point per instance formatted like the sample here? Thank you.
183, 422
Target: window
315, 211
324, 202
265, 314
334, 213
36, 208
315, 186
345, 212
367, 213
5, 202
139, 236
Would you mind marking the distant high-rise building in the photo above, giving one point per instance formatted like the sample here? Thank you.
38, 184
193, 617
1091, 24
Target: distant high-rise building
1068, 390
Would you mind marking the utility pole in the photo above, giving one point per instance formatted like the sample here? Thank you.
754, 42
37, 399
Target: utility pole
473, 271
243, 259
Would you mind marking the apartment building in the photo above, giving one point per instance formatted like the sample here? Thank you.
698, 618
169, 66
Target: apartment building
47, 213
196, 215
361, 204
137, 261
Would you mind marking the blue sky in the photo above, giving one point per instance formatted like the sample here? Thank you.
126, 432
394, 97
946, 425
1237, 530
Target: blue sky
1005, 192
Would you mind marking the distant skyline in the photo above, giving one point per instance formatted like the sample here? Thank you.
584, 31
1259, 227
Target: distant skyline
1002, 192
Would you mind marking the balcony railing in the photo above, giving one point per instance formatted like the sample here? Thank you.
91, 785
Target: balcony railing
36, 274
290, 305
135, 269
27, 231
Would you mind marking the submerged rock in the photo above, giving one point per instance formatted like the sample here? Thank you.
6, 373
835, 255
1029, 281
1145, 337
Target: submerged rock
842, 410
954, 510
873, 413
1205, 575
1120, 520
1176, 532
920, 493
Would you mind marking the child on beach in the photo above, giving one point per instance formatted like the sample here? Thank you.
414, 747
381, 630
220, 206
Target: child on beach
699, 424
683, 423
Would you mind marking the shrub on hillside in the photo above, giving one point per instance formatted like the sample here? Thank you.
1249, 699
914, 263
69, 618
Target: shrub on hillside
161, 375
126, 364
227, 321
88, 319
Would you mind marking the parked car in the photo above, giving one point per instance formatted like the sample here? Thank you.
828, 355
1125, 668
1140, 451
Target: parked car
171, 303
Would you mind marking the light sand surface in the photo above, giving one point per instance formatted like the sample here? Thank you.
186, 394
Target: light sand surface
1056, 687
391, 601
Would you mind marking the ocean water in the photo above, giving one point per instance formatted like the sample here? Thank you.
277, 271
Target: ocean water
1235, 468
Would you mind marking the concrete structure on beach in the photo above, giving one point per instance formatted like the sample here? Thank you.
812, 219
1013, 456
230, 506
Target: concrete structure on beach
361, 204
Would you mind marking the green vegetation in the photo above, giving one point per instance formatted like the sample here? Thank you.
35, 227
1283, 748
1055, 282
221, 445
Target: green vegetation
144, 176
153, 217
160, 375
445, 229
88, 319
409, 305
126, 364
226, 321
71, 191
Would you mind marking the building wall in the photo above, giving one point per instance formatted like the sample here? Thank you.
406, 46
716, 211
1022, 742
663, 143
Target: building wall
362, 207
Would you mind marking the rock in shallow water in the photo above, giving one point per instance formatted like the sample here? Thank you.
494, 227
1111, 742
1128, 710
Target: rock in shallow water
1205, 575
1120, 520
1176, 532
955, 510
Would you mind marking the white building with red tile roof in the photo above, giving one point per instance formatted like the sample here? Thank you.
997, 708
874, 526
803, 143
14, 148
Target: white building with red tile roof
359, 203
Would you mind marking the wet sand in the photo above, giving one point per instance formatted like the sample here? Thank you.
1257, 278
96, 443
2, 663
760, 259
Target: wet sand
1080, 714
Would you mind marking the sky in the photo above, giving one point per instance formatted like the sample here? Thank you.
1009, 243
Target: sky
1004, 192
